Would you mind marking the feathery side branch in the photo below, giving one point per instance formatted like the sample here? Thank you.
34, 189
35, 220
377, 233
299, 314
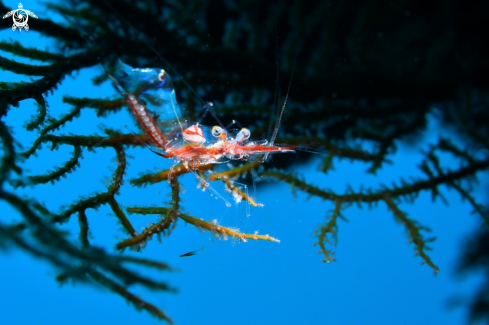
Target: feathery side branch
330, 228
50, 80
41, 115
55, 175
413, 231
223, 232
22, 68
374, 196
153, 178
219, 231
165, 225
122, 217
19, 50
51, 238
83, 224
238, 171
238, 192
122, 291
100, 198
150, 263
409, 190
102, 106
56, 124
85, 141
8, 161
481, 210
147, 234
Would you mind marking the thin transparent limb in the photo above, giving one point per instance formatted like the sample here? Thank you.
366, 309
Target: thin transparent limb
206, 184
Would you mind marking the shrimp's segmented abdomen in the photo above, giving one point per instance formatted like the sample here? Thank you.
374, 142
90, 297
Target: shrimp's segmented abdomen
146, 122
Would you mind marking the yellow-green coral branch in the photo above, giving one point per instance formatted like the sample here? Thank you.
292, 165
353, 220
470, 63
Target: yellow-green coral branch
234, 172
219, 231
147, 233
157, 228
122, 217
175, 195
223, 231
407, 189
331, 227
413, 231
163, 175
243, 195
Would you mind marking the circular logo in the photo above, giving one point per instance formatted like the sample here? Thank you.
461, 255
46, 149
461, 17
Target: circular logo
20, 18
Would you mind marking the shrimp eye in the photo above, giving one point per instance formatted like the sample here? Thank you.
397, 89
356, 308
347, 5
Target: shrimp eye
217, 131
161, 75
243, 135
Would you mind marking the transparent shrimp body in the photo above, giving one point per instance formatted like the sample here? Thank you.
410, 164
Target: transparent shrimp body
150, 94
151, 97
217, 145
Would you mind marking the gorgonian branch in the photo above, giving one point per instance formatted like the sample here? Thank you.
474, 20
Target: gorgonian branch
329, 228
49, 80
407, 191
153, 178
122, 291
217, 230
234, 172
413, 231
90, 142
164, 226
50, 238
8, 161
98, 199
55, 175
102, 106
41, 116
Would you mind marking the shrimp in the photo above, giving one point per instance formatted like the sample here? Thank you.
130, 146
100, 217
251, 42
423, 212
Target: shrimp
150, 95
191, 144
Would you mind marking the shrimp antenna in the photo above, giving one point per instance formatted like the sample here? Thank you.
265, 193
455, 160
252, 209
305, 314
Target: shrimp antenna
116, 83
276, 93
279, 119
143, 38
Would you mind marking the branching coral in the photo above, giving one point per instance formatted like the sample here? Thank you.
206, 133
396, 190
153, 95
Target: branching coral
352, 91
407, 191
